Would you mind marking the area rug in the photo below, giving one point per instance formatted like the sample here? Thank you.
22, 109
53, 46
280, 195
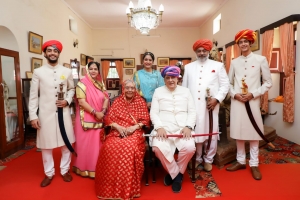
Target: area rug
285, 152
205, 185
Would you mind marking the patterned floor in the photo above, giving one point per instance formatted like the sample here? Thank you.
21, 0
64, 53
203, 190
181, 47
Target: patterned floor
285, 152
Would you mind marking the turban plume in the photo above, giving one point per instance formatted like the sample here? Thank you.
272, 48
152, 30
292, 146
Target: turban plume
53, 43
170, 71
205, 43
246, 34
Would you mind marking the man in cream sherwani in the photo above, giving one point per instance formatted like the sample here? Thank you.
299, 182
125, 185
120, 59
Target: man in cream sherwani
199, 76
248, 67
173, 112
43, 96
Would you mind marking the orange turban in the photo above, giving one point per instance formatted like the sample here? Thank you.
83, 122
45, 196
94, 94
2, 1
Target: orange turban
53, 43
205, 43
247, 34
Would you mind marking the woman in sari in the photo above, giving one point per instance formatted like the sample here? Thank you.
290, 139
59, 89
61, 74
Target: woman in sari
91, 105
148, 79
120, 164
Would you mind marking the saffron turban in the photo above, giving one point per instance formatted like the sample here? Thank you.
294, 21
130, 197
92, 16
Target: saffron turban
205, 43
53, 43
246, 34
170, 71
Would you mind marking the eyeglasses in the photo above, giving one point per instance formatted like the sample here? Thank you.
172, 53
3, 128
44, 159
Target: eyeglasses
171, 78
129, 88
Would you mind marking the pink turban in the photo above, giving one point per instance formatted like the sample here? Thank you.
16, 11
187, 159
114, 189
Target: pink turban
170, 71
205, 43
246, 34
53, 43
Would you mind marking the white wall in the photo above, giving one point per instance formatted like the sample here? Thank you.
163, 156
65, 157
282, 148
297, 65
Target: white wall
255, 14
122, 43
49, 18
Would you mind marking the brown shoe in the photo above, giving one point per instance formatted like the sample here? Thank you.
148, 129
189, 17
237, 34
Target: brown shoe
67, 177
207, 167
47, 180
236, 166
256, 173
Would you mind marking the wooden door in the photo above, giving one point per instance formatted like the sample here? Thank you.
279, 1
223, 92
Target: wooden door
11, 116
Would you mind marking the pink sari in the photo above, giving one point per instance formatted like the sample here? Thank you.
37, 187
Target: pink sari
87, 128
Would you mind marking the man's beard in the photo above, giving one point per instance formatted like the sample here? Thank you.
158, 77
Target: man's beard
51, 61
202, 58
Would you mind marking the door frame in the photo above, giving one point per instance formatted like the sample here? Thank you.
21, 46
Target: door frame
7, 149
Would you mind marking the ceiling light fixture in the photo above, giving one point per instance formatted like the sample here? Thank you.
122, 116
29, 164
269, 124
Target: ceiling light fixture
144, 17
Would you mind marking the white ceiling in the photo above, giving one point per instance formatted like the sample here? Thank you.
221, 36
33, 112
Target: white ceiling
101, 14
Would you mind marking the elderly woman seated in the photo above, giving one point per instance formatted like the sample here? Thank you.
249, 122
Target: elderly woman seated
173, 113
120, 164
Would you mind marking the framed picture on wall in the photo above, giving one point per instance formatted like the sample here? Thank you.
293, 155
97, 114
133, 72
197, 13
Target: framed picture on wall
67, 65
89, 59
83, 59
162, 62
276, 64
255, 45
128, 71
141, 58
128, 63
28, 74
35, 42
36, 63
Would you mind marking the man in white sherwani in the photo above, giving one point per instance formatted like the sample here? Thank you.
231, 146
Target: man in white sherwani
199, 76
173, 113
250, 68
43, 98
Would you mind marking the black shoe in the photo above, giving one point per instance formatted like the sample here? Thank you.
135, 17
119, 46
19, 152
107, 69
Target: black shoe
176, 185
168, 180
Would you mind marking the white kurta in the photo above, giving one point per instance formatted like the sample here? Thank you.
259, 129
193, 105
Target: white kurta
250, 68
198, 76
43, 95
171, 111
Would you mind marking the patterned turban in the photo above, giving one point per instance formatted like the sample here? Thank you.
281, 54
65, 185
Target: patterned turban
170, 71
247, 34
205, 43
53, 43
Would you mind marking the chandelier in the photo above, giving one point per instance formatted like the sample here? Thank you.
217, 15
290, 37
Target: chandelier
144, 17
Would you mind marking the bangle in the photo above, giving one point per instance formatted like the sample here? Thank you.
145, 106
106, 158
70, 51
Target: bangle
103, 110
93, 112
140, 125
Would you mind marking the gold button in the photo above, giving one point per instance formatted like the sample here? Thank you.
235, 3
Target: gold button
199, 83
245, 68
200, 71
245, 60
198, 91
200, 77
201, 66
245, 75
198, 98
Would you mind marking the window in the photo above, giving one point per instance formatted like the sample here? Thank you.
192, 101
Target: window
112, 73
217, 24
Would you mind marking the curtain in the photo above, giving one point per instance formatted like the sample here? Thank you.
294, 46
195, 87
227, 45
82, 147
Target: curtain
236, 51
286, 32
105, 69
185, 62
173, 62
267, 47
228, 58
119, 67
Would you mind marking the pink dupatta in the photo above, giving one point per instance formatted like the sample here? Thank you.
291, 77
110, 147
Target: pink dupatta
96, 95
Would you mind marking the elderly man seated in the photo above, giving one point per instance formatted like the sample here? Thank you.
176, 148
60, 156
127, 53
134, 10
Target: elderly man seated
173, 113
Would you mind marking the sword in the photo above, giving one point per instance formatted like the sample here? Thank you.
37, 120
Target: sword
210, 120
180, 136
250, 115
62, 129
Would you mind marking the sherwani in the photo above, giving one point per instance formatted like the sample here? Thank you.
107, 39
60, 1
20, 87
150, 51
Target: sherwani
43, 95
198, 76
250, 68
173, 110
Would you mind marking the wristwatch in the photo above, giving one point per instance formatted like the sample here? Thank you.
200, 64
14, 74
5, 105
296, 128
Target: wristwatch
189, 127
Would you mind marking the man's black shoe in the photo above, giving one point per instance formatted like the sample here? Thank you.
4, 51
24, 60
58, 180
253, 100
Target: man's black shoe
168, 180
